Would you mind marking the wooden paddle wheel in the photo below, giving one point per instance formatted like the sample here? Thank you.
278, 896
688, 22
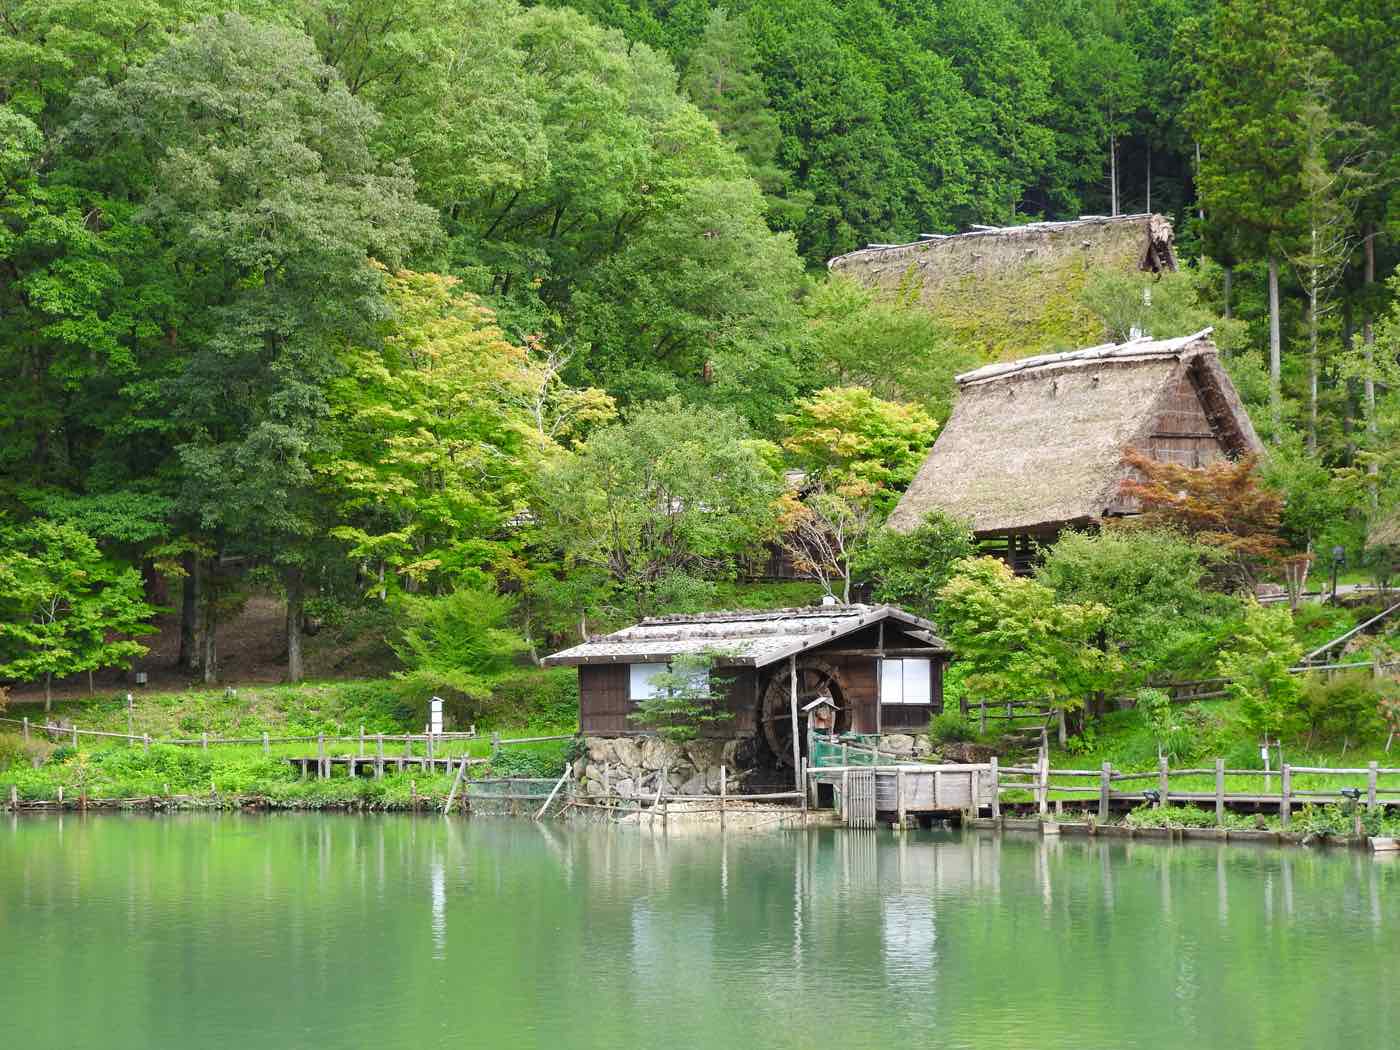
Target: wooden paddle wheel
814, 678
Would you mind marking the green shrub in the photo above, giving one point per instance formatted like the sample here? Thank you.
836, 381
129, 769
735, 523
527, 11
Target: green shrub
540, 698
61, 754
530, 760
12, 752
1170, 817
950, 727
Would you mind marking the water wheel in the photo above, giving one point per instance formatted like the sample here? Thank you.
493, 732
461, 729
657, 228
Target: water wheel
814, 678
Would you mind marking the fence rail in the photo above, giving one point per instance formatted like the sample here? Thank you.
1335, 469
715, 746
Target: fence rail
1041, 782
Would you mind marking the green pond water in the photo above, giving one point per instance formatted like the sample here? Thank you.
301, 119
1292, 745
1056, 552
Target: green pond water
344, 931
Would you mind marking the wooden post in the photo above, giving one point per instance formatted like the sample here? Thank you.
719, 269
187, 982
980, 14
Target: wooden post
204, 739
75, 738
60, 796
407, 746
1162, 781
1044, 779
1219, 792
1285, 800
845, 754
146, 740
995, 776
879, 690
802, 784
796, 742
845, 792
267, 745
567, 770
1371, 768
14, 797
1105, 786
323, 771
26, 727
362, 741
723, 792
899, 794
984, 716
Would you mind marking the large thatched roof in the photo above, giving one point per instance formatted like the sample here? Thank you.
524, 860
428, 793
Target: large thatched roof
1118, 241
745, 638
1038, 443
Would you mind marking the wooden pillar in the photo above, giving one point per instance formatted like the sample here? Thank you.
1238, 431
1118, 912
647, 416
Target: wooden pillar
802, 784
1371, 773
26, 727
1162, 781
879, 690
1044, 780
1219, 792
146, 740
362, 741
322, 770
995, 777
899, 794
1285, 800
1105, 786
796, 742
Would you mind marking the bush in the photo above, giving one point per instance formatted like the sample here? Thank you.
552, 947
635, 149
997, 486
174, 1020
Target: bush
12, 752
543, 698
544, 760
1171, 817
950, 727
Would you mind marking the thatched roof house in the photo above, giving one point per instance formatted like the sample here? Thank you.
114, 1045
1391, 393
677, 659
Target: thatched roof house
1036, 445
1122, 242
1004, 291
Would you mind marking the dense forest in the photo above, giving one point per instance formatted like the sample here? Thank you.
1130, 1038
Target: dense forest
516, 316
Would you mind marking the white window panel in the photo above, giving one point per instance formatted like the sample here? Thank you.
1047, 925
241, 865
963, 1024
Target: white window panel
641, 686
906, 681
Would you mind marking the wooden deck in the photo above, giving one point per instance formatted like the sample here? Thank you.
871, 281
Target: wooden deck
905, 790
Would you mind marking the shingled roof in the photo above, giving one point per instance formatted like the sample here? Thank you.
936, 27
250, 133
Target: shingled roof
1038, 443
746, 638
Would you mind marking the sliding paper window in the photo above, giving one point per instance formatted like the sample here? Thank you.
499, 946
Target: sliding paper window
906, 681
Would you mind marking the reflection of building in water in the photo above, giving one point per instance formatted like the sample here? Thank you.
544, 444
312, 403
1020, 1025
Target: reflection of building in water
909, 933
439, 896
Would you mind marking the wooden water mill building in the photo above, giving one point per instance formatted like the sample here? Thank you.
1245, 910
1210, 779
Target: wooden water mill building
1036, 446
882, 668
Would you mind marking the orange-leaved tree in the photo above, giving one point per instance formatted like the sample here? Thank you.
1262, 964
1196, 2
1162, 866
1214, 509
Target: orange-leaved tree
1222, 505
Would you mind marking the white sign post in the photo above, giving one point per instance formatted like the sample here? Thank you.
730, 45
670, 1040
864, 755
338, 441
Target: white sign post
435, 716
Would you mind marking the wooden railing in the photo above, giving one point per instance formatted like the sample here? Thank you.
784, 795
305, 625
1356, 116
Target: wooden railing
1036, 780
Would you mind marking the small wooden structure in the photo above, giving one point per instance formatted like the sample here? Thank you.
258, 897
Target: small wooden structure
881, 667
1035, 446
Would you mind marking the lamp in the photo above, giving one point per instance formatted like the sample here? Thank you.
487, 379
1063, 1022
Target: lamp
1153, 796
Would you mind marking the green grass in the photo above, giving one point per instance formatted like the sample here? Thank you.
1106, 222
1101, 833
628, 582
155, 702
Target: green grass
530, 703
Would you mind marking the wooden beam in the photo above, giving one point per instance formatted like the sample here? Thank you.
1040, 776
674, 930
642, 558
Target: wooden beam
796, 743
930, 652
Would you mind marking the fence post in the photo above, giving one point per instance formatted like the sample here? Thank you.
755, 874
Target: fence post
146, 740
267, 745
204, 740
1043, 781
322, 770
1285, 799
899, 795
362, 740
1162, 781
1219, 792
984, 717
995, 775
1371, 768
1105, 786
75, 738
14, 797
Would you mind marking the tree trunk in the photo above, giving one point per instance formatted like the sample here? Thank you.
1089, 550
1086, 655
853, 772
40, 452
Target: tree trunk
1113, 172
1368, 341
208, 626
1275, 352
48, 692
1312, 357
296, 599
1060, 727
90, 689
188, 659
1229, 288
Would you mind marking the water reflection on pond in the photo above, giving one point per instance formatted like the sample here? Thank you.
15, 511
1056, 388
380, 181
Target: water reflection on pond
216, 931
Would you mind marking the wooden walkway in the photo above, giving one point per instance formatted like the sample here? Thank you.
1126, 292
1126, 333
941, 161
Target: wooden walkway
374, 766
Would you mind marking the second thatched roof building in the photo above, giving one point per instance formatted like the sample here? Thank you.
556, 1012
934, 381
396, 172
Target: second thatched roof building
1035, 446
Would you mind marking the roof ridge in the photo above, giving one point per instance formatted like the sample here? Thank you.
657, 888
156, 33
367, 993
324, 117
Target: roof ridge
1142, 347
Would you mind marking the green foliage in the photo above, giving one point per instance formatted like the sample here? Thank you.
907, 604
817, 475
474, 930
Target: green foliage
1343, 706
1017, 641
689, 698
909, 569
857, 445
543, 699
950, 727
63, 607
543, 760
675, 491
456, 643
1163, 620
1256, 660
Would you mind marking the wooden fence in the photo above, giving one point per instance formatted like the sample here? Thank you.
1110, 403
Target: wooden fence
1036, 780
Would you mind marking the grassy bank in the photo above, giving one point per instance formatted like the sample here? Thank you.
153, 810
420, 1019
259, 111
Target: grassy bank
530, 704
